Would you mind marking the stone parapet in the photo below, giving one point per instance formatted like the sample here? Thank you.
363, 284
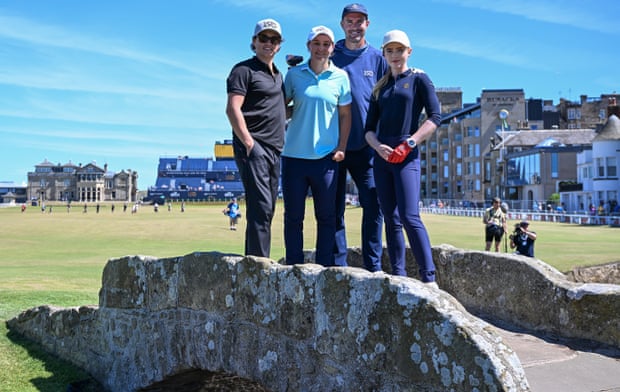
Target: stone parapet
301, 328
523, 292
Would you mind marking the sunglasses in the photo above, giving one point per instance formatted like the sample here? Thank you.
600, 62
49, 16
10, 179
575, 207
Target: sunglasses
274, 39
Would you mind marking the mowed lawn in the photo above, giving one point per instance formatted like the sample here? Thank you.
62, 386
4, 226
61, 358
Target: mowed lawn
57, 258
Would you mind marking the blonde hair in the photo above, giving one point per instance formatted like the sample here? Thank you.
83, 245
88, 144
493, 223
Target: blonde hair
379, 85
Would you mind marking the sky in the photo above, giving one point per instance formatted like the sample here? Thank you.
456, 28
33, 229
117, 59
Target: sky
125, 82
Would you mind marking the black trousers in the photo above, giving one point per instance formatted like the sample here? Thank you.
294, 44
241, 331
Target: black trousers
260, 174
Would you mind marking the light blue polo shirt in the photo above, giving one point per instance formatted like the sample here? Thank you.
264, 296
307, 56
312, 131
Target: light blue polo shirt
313, 131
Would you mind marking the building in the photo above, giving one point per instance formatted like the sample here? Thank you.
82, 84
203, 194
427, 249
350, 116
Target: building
535, 164
88, 183
464, 162
12, 193
597, 182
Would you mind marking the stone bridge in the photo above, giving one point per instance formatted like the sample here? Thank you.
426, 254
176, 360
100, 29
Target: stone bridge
309, 328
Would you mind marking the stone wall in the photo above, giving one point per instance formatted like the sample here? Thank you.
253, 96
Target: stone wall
524, 292
605, 273
302, 328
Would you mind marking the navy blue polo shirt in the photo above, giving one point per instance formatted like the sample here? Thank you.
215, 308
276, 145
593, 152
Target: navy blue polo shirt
264, 106
395, 114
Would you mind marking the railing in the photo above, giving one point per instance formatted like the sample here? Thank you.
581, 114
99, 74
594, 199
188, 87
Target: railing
580, 219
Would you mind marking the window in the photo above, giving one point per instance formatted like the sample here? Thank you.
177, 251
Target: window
574, 113
477, 132
446, 156
476, 150
459, 169
477, 168
601, 168
446, 172
458, 152
611, 167
555, 165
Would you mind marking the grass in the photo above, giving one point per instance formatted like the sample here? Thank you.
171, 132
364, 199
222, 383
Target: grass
58, 258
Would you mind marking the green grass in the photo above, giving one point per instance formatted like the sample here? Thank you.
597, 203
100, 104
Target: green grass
58, 258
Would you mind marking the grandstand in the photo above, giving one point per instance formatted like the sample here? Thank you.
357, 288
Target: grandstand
184, 178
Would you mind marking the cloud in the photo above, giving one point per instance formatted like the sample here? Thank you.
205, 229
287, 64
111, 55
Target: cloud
38, 34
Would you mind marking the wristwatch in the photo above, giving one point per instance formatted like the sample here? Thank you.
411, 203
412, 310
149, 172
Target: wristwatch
411, 143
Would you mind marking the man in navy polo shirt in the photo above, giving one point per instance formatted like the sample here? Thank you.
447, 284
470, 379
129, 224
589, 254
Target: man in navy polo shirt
256, 112
365, 65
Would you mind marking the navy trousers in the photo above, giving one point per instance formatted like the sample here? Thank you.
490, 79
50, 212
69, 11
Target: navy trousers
398, 189
318, 176
359, 165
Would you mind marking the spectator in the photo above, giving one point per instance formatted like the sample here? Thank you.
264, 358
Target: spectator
523, 239
494, 220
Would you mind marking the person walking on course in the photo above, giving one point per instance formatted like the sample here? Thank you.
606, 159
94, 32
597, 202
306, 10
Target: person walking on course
232, 211
256, 112
494, 220
364, 65
394, 131
316, 140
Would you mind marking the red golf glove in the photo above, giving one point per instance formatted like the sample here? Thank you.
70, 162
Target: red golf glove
399, 153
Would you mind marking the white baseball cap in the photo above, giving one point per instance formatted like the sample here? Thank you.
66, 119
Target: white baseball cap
318, 30
396, 36
267, 24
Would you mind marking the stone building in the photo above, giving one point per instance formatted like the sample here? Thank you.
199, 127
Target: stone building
88, 183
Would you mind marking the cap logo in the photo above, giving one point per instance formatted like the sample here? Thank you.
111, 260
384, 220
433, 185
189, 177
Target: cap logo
270, 25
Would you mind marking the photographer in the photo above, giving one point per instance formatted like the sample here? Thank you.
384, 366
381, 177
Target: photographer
495, 224
523, 239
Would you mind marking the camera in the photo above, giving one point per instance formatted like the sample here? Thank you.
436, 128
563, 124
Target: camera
292, 60
517, 231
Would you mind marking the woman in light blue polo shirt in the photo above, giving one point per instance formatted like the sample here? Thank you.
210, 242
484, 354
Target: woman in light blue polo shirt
315, 141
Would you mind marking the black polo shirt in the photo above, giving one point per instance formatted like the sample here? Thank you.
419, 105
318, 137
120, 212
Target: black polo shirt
264, 105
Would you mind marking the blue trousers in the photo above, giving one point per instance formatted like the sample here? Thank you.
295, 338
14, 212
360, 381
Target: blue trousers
260, 173
359, 165
398, 188
318, 176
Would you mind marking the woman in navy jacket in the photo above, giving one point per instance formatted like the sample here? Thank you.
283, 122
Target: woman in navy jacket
394, 131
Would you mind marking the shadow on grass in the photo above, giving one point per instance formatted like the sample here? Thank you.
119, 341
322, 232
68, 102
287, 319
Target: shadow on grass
64, 375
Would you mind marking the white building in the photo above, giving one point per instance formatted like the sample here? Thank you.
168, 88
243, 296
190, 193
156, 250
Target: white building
597, 171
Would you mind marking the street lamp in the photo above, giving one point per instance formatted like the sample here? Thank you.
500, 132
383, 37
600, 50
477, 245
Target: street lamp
503, 116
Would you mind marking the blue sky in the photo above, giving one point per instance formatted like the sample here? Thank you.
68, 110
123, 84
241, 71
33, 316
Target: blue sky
125, 82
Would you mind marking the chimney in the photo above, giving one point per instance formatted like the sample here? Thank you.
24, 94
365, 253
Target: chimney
612, 107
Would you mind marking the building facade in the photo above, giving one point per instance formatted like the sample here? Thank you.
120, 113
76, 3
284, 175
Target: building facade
77, 183
598, 181
473, 155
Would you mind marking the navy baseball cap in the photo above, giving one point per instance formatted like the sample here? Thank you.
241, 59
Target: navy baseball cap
354, 8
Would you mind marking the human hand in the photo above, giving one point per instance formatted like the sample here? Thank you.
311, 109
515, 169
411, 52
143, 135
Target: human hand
338, 155
399, 153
